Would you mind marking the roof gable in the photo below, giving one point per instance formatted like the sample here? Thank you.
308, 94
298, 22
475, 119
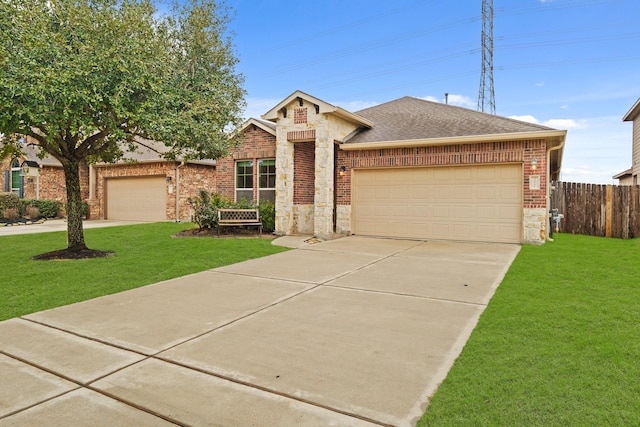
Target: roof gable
411, 118
322, 107
268, 127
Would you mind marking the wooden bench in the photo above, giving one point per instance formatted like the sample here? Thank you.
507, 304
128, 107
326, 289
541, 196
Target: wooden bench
239, 217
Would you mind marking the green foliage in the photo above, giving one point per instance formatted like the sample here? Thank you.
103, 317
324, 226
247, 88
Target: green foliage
268, 215
558, 345
205, 208
9, 201
87, 79
47, 208
206, 205
145, 254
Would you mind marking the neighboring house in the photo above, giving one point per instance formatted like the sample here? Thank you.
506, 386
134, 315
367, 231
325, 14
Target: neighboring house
411, 168
630, 176
44, 181
142, 187
408, 168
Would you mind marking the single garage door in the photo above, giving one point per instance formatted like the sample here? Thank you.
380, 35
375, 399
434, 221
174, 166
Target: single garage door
472, 203
137, 199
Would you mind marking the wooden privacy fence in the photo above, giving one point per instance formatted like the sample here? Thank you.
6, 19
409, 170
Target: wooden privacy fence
598, 210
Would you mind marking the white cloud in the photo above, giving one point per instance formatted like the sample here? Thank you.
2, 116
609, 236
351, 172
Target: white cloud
553, 123
453, 99
526, 118
566, 124
461, 100
564, 107
540, 84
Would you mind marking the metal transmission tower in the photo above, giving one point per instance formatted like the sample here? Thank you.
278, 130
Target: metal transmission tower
486, 95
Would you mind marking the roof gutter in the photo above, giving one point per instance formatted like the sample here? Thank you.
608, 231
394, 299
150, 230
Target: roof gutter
558, 148
553, 135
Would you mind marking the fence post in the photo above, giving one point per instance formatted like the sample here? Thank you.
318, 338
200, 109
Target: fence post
609, 216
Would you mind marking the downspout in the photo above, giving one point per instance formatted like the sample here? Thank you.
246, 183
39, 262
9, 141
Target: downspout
559, 147
178, 191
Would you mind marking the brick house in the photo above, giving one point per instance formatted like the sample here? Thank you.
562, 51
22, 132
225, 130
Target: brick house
411, 168
630, 176
145, 187
408, 168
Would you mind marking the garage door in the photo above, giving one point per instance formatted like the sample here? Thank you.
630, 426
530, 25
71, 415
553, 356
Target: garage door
472, 203
137, 199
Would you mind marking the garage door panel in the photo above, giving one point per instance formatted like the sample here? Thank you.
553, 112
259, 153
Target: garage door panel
136, 199
476, 203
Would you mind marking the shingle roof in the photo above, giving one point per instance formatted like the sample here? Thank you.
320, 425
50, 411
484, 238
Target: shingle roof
411, 118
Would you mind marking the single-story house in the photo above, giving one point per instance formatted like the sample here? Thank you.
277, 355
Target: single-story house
142, 187
408, 168
411, 168
630, 176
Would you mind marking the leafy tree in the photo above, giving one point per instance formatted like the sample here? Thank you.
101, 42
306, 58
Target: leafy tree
91, 79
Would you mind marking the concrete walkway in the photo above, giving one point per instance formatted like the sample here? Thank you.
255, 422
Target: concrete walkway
351, 332
60, 225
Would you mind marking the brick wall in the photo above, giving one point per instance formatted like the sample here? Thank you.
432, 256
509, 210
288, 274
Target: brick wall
256, 144
304, 158
461, 154
51, 181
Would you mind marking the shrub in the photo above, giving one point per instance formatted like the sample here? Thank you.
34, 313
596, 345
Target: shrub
11, 214
48, 208
205, 208
268, 215
9, 201
32, 212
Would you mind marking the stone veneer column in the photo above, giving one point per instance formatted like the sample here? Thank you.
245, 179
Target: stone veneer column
324, 183
284, 182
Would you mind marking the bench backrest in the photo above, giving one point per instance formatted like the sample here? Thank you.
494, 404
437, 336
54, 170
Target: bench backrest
238, 215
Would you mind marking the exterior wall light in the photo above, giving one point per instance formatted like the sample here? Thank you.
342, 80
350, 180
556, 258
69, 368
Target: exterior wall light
169, 179
534, 163
343, 170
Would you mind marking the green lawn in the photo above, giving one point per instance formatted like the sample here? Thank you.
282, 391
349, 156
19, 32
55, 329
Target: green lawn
559, 344
145, 254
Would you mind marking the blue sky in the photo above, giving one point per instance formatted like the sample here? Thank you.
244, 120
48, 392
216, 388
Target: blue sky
567, 64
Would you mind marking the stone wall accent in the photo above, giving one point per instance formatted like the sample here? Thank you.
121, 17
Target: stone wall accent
535, 225
343, 219
302, 219
256, 144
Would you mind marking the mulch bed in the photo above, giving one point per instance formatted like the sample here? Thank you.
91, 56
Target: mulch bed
72, 254
225, 232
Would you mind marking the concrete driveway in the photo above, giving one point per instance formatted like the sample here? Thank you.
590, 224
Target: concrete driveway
351, 332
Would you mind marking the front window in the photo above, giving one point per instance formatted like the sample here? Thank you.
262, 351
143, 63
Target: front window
244, 180
267, 180
16, 180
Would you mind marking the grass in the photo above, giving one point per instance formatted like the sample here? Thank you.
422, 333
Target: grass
559, 344
145, 254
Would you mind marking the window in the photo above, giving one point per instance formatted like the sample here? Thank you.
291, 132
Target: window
16, 179
267, 180
244, 180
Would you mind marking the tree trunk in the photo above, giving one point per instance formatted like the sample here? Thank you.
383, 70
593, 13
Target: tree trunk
75, 232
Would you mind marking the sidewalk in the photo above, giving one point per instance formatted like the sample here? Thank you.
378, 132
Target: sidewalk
60, 225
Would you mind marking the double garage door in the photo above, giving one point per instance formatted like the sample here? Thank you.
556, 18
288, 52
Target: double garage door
467, 203
137, 199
